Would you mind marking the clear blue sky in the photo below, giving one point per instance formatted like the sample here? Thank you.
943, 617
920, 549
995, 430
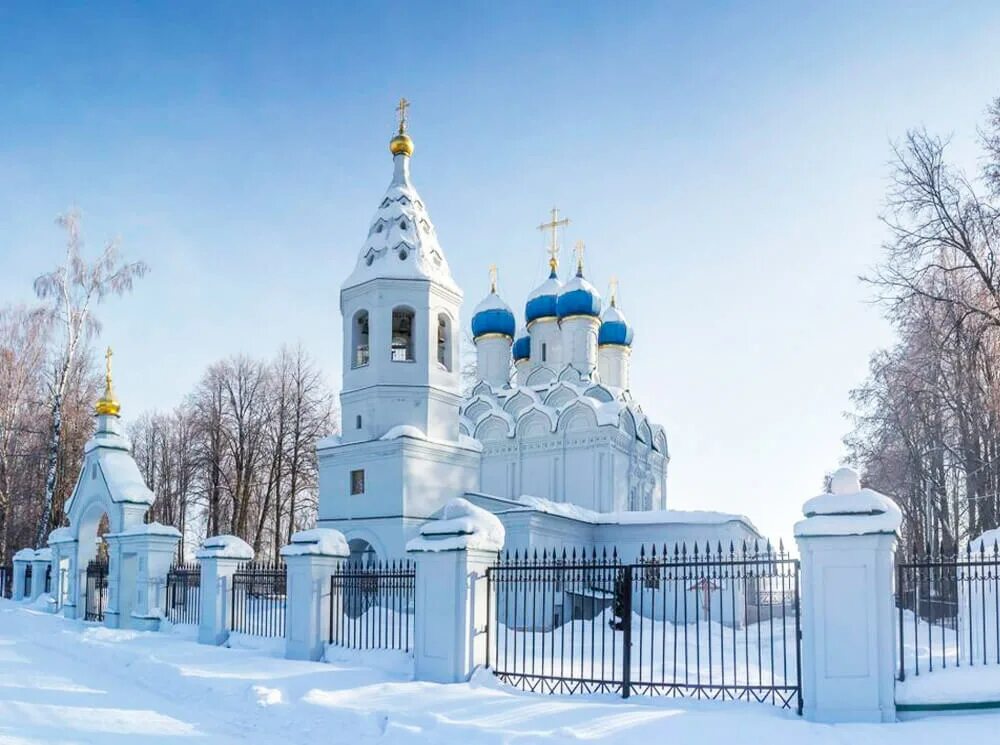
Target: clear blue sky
726, 161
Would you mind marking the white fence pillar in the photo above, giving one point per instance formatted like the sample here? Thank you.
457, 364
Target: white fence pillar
21, 561
39, 568
147, 551
219, 557
847, 543
310, 559
63, 546
451, 556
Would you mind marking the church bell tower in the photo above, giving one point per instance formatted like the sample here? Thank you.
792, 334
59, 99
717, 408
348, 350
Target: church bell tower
400, 309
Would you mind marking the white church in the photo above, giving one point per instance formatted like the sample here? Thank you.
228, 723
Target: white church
550, 438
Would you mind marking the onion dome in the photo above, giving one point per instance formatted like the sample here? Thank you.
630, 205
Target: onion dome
492, 315
522, 345
578, 297
614, 328
107, 405
543, 299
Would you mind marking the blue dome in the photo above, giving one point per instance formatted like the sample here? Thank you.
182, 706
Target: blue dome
542, 300
522, 346
492, 316
578, 298
614, 328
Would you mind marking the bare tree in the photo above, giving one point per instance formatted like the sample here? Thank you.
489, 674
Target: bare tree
70, 293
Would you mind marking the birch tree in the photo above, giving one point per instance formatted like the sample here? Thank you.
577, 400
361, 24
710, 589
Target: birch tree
69, 295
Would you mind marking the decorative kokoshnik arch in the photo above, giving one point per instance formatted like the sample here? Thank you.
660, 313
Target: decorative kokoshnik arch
139, 555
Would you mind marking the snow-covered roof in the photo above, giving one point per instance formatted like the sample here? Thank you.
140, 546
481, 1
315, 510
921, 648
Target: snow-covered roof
111, 451
527, 502
556, 400
402, 242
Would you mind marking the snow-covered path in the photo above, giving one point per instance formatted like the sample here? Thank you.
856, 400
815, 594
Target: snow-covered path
63, 682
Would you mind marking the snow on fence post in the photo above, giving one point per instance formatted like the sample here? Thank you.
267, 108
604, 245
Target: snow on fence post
219, 557
452, 555
39, 568
21, 561
310, 559
847, 543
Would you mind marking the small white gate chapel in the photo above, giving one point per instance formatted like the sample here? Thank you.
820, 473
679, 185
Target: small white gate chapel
129, 592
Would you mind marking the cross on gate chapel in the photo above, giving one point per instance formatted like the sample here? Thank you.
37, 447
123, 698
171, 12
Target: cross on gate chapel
551, 437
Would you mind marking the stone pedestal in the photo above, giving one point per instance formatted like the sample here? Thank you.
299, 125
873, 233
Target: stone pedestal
311, 557
847, 544
22, 559
219, 557
451, 557
40, 565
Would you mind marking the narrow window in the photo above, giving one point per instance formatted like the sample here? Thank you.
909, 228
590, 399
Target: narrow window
360, 337
358, 481
444, 341
543, 352
402, 335
357, 422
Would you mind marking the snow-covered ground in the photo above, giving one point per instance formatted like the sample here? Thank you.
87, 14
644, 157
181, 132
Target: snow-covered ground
64, 682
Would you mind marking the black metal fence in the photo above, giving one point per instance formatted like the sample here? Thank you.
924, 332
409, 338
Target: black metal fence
48, 579
183, 596
28, 578
96, 599
371, 605
696, 622
258, 599
6, 581
949, 610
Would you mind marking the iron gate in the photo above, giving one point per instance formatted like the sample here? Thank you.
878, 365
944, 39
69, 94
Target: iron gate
698, 623
96, 599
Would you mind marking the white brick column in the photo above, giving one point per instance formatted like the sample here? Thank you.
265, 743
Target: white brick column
847, 544
451, 556
219, 557
310, 559
21, 560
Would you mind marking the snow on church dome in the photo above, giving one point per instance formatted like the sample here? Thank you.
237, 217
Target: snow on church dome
578, 298
615, 329
492, 315
543, 299
401, 242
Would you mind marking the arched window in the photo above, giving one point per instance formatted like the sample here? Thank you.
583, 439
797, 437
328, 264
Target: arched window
444, 341
359, 355
402, 335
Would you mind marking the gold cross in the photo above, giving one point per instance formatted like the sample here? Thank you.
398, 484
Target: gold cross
107, 367
613, 284
554, 224
401, 109
493, 278
578, 250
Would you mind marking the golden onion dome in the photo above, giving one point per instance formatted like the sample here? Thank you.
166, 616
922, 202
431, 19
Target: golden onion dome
107, 405
401, 144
